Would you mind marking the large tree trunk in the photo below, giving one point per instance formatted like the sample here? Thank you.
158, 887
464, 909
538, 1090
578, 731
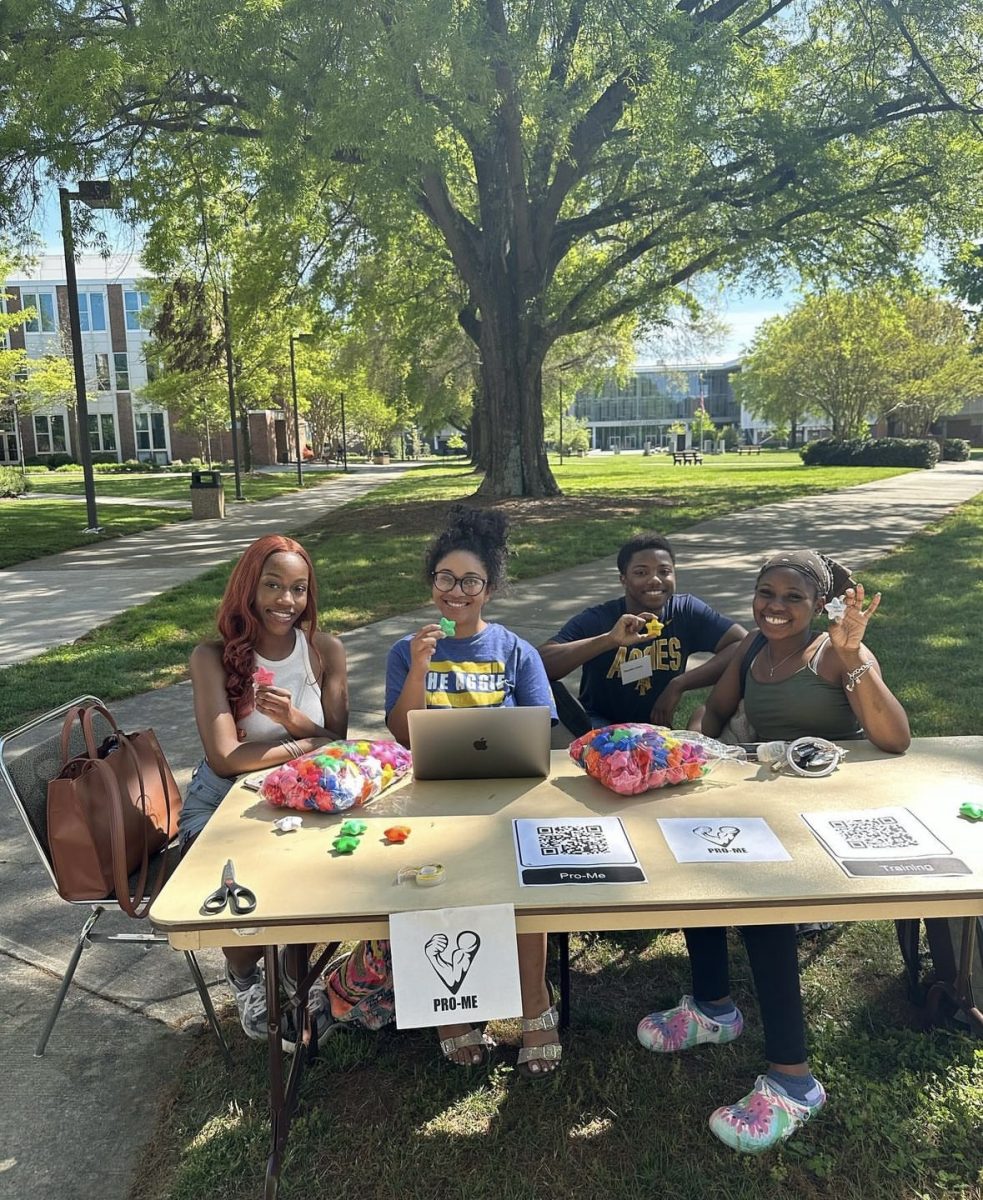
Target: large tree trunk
478, 438
513, 394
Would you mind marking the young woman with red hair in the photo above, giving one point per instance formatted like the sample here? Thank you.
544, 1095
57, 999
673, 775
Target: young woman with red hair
272, 688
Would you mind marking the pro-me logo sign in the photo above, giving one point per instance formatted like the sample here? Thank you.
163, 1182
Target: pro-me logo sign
455, 964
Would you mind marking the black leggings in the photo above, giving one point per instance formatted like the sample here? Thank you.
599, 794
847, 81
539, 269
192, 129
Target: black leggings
773, 952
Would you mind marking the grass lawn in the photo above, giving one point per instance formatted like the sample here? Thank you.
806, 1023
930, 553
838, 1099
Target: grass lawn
167, 486
613, 497
32, 528
382, 1117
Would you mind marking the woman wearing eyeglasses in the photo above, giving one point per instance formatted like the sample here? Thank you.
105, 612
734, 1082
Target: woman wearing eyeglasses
485, 664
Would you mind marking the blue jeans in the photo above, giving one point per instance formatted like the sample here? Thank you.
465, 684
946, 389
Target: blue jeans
205, 792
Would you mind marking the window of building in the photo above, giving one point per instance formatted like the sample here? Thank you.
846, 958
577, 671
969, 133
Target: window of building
151, 439
102, 432
92, 312
103, 382
133, 305
122, 366
49, 434
43, 304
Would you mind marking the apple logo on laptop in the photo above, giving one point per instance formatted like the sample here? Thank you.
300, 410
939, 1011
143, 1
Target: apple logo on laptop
480, 744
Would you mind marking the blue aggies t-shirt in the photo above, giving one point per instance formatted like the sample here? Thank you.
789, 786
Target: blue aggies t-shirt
689, 626
491, 669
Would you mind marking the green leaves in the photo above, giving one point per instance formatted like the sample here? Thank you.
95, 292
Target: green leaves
851, 358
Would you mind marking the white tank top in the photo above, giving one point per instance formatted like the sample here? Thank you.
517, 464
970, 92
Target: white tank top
295, 674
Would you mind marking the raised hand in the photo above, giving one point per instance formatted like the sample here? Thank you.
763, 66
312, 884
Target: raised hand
275, 703
423, 643
847, 634
629, 629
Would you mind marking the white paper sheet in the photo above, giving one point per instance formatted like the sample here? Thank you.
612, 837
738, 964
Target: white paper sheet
883, 842
874, 833
722, 839
454, 964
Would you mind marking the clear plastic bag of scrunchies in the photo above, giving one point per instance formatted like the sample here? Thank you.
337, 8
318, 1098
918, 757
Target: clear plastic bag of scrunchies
338, 776
632, 758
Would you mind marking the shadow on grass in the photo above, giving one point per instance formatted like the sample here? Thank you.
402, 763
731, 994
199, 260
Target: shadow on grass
382, 1116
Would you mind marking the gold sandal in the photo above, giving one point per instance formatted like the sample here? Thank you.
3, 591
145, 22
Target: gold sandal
476, 1037
547, 1052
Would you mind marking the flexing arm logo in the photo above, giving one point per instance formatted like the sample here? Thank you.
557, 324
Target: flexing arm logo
722, 836
452, 965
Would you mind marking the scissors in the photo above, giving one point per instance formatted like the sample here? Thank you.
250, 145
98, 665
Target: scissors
240, 899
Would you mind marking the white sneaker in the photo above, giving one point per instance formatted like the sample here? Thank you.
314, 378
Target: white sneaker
250, 998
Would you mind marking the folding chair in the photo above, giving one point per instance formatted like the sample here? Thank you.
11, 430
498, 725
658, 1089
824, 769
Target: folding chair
31, 756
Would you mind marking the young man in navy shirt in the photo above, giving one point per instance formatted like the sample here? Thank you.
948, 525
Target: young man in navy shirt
633, 650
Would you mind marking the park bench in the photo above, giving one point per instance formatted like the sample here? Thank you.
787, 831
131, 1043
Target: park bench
748, 449
687, 457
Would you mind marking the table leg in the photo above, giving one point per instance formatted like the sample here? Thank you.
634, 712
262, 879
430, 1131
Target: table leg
283, 1094
960, 990
564, 942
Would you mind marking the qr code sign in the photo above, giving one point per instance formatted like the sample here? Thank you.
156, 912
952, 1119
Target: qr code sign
572, 839
874, 833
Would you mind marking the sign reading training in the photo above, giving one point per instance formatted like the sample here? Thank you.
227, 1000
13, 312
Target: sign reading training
454, 964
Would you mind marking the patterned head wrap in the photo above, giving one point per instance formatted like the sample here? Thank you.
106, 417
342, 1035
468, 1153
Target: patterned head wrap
829, 578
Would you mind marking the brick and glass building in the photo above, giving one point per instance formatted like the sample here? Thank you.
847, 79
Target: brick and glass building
122, 424
640, 409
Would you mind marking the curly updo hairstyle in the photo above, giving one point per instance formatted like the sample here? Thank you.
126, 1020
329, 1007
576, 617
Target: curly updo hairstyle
480, 531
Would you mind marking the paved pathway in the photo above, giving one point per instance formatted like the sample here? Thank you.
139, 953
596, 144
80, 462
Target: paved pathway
77, 1120
57, 599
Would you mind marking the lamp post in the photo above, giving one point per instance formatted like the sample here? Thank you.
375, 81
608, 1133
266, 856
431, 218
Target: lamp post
344, 434
231, 383
297, 337
561, 422
94, 193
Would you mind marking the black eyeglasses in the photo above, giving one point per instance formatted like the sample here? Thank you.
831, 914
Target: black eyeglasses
471, 585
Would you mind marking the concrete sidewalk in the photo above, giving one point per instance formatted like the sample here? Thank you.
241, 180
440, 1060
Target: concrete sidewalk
50, 601
77, 1120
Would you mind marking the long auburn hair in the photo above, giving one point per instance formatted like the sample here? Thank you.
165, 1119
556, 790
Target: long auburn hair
238, 624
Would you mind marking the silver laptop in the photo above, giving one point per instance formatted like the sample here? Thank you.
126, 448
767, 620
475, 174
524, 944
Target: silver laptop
480, 743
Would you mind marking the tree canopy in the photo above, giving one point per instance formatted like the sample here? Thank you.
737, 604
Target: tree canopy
852, 358
572, 162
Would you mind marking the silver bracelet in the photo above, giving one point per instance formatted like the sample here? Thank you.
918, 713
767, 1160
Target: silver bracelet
857, 673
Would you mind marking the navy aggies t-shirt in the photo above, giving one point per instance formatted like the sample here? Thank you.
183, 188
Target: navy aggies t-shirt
689, 626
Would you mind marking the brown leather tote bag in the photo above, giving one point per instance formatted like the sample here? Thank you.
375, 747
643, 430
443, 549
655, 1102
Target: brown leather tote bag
109, 812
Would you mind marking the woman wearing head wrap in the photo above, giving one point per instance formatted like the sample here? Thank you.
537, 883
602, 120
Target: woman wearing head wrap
796, 682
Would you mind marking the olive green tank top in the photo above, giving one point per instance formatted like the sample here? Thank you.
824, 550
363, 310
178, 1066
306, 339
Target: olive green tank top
804, 704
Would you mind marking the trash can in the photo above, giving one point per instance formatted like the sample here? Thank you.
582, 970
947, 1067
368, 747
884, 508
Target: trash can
207, 495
